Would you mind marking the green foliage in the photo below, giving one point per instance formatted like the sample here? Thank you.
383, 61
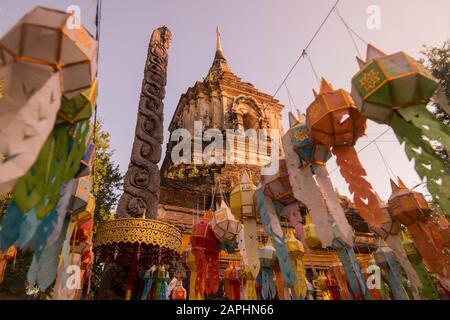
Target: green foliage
107, 177
437, 61
107, 183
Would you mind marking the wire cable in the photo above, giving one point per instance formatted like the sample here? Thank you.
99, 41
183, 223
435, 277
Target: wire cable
306, 48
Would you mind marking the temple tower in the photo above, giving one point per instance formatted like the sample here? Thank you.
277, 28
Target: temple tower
221, 101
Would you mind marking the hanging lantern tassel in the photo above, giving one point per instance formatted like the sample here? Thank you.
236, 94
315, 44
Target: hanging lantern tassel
268, 260
336, 122
394, 89
192, 265
411, 209
339, 276
148, 280
242, 205
271, 224
296, 252
389, 232
352, 270
232, 281
249, 284
386, 260
428, 289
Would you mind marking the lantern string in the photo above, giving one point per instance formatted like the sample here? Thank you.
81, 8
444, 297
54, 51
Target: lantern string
386, 164
316, 75
290, 99
302, 55
351, 32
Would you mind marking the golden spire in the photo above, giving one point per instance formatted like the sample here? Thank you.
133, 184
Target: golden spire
219, 44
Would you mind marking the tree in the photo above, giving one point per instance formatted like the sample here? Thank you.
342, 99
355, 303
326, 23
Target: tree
107, 183
107, 178
437, 61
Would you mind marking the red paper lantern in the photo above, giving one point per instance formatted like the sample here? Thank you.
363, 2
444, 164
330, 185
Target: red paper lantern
205, 247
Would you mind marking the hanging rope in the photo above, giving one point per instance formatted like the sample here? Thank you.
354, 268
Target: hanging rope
386, 164
306, 48
290, 99
316, 75
351, 32
98, 17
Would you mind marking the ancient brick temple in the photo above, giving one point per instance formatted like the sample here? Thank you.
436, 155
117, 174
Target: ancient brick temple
222, 101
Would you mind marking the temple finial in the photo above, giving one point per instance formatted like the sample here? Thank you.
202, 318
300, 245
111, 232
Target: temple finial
219, 44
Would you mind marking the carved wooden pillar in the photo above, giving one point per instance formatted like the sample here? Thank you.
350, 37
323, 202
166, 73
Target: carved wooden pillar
141, 183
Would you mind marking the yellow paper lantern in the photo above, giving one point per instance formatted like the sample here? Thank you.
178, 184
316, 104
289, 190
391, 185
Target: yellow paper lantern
241, 198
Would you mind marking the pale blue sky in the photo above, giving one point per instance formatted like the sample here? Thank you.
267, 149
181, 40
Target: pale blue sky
261, 40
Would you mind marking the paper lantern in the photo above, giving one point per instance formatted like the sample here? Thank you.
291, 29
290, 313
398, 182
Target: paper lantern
387, 261
335, 122
311, 237
241, 198
43, 37
333, 117
389, 226
278, 187
205, 248
179, 293
395, 89
411, 209
267, 255
311, 186
306, 149
296, 253
224, 224
242, 204
406, 206
387, 83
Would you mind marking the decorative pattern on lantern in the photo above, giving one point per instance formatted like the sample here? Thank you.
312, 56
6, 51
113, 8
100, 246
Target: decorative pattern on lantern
311, 238
334, 121
303, 145
268, 259
242, 204
205, 248
411, 209
296, 253
223, 223
387, 83
387, 261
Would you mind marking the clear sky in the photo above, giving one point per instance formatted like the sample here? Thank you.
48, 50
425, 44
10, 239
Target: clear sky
261, 40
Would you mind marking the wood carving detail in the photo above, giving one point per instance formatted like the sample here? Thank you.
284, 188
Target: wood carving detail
141, 183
